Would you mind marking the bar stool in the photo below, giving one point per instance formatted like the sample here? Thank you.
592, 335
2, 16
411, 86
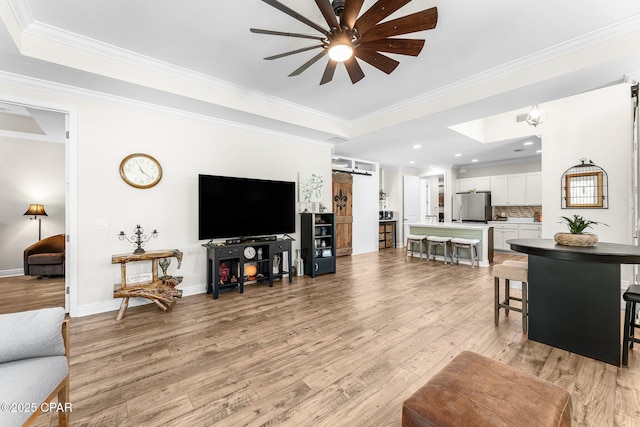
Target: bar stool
511, 270
411, 239
631, 296
472, 244
438, 241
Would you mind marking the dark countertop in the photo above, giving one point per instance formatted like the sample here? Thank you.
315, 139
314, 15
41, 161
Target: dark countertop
613, 253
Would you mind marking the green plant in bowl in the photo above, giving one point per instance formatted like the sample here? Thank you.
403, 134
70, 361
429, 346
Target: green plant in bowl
578, 223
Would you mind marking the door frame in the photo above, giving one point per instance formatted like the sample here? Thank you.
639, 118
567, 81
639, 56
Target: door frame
71, 192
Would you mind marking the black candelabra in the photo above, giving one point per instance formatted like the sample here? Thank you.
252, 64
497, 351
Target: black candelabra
139, 239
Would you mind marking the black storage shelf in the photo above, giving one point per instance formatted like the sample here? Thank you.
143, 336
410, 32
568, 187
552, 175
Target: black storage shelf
318, 229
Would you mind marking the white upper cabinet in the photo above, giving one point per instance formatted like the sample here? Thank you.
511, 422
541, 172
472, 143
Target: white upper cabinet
534, 189
477, 184
508, 190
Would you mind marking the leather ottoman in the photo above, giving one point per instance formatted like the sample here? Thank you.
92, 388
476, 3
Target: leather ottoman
473, 390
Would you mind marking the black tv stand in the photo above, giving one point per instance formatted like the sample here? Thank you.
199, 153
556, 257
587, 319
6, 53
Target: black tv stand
233, 257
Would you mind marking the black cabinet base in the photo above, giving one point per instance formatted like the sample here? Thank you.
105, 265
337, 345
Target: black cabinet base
575, 306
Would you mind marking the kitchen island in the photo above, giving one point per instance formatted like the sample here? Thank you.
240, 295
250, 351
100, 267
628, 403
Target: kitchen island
465, 230
574, 295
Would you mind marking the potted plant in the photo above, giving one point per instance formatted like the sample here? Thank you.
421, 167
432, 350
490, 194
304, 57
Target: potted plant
576, 235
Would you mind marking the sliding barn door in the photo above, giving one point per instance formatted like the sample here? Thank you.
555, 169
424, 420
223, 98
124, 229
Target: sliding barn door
342, 206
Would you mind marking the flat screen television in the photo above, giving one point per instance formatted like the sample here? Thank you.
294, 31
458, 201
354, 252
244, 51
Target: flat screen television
231, 207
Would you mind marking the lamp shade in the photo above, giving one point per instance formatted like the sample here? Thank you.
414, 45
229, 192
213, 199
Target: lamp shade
35, 209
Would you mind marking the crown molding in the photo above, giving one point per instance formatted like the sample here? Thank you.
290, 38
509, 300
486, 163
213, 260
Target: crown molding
119, 101
57, 35
606, 33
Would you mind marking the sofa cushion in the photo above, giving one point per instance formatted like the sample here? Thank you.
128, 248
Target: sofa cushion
28, 383
34, 333
48, 258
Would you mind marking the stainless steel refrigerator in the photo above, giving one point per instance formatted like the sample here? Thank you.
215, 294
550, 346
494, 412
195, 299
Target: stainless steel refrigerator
472, 206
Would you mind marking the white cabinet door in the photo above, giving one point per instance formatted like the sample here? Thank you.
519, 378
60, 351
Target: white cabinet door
499, 195
483, 184
516, 189
502, 233
508, 190
530, 231
534, 189
466, 184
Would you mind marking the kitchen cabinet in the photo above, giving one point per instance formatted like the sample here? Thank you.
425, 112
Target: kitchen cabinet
533, 195
502, 233
508, 190
477, 184
529, 231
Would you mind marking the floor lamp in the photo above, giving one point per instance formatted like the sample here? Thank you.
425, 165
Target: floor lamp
36, 211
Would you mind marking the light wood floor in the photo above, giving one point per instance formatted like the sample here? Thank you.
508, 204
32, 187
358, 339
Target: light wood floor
337, 350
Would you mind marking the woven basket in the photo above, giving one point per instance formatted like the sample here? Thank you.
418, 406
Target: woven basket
568, 239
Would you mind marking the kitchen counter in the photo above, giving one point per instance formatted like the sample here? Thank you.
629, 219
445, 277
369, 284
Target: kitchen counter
465, 230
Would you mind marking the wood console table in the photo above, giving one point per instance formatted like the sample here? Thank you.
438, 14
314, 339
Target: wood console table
234, 256
574, 295
161, 290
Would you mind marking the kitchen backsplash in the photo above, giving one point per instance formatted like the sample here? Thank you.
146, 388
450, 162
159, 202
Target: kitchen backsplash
517, 211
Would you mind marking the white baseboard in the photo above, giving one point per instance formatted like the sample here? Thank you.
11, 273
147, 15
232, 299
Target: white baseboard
12, 273
114, 304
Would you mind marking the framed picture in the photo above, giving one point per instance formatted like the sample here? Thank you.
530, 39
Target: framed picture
309, 187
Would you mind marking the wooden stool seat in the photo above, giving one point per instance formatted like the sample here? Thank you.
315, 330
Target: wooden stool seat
631, 297
439, 241
511, 270
411, 239
475, 391
459, 243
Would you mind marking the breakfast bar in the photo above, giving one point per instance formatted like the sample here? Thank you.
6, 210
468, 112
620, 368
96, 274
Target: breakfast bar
574, 295
466, 230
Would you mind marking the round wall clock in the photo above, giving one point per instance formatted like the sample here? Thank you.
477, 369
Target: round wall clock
140, 170
249, 252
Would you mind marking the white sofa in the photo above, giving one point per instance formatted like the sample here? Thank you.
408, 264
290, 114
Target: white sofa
34, 366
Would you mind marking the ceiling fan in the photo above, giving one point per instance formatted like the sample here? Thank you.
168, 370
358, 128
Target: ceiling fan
350, 36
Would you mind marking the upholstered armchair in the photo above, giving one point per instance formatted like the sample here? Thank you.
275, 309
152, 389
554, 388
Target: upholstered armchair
46, 257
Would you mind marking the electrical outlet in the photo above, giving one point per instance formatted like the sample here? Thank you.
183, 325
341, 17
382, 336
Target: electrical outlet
136, 278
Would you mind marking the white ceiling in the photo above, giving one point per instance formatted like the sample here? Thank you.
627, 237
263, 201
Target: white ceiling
482, 59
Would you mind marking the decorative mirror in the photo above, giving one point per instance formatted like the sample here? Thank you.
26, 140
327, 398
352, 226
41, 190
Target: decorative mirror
585, 186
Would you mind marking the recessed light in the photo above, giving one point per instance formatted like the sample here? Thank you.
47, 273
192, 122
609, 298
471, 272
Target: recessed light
474, 160
458, 154
528, 143
412, 162
538, 151
417, 146
432, 166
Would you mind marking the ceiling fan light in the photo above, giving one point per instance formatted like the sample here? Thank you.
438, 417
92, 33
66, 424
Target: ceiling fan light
340, 52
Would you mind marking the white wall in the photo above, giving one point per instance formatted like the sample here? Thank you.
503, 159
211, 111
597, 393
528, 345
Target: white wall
30, 172
185, 146
596, 126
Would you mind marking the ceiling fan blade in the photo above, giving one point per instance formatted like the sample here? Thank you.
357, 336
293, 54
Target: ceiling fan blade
350, 12
411, 47
353, 68
376, 13
420, 21
308, 64
327, 11
280, 33
327, 76
292, 13
378, 60
291, 52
